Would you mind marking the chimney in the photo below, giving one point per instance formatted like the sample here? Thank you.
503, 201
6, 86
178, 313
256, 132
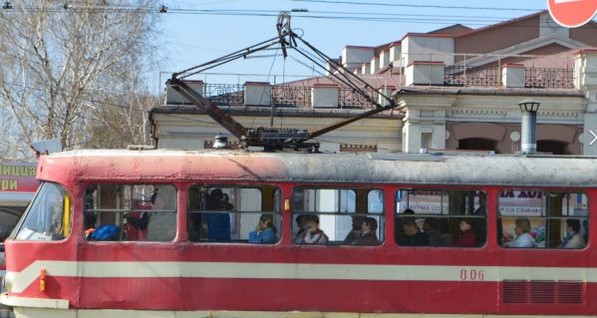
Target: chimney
528, 141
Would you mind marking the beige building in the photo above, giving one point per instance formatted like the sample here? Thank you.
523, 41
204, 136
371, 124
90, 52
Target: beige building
456, 88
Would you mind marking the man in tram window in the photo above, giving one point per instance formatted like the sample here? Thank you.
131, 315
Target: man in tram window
137, 221
482, 209
412, 235
301, 224
573, 238
218, 224
402, 218
523, 234
312, 234
434, 232
355, 232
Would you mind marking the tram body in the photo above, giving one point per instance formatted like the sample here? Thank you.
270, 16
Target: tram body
67, 275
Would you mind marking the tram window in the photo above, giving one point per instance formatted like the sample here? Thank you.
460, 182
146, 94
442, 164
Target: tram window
229, 214
337, 216
48, 217
542, 219
441, 218
137, 212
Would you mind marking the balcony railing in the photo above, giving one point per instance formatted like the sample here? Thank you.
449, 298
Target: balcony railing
225, 94
548, 78
350, 98
492, 77
285, 95
457, 75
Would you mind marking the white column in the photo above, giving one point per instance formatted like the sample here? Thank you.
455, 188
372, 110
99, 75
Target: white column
174, 98
425, 73
324, 95
258, 93
585, 79
513, 75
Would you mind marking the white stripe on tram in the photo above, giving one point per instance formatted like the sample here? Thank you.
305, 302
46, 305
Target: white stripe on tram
21, 280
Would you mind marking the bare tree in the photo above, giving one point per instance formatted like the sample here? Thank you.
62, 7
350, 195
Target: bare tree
63, 66
127, 120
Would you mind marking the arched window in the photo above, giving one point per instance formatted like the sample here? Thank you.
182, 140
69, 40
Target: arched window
477, 144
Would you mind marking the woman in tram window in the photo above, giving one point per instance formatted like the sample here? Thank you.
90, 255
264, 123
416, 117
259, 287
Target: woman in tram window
265, 232
466, 237
367, 235
573, 238
523, 234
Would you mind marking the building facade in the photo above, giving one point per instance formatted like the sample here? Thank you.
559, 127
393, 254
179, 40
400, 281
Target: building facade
456, 88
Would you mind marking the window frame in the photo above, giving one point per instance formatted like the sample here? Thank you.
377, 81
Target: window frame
450, 218
544, 217
277, 211
120, 213
379, 216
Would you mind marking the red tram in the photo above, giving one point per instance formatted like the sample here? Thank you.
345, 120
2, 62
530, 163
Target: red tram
180, 243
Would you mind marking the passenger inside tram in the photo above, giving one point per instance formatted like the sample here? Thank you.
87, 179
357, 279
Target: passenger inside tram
265, 232
523, 235
355, 232
218, 224
367, 234
312, 233
573, 238
401, 218
437, 237
466, 236
412, 236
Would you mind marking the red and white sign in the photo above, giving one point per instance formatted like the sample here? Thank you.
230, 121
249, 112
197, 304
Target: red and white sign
572, 13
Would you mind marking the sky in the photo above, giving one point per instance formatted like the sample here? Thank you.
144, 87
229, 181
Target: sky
197, 31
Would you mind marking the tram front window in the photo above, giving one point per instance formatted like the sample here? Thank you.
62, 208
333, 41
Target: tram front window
48, 217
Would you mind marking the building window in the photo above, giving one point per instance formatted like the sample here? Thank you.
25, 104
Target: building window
441, 218
426, 139
135, 212
337, 216
229, 214
542, 219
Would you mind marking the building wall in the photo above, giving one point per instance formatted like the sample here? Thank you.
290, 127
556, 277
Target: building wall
427, 48
507, 136
190, 131
498, 37
585, 34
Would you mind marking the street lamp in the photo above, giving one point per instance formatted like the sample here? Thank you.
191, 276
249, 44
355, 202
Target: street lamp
528, 142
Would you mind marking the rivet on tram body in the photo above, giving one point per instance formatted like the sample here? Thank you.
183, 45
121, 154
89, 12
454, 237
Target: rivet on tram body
42, 279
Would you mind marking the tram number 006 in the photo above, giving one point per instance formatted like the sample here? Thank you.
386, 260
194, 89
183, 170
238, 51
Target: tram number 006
472, 274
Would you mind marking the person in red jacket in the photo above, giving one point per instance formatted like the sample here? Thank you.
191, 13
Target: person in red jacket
466, 237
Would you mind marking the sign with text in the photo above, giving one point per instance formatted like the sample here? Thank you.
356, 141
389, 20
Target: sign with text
572, 13
18, 177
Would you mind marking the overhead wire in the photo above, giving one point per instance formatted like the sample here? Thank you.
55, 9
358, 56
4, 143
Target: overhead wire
332, 15
410, 5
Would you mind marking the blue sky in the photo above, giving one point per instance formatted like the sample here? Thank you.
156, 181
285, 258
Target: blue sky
192, 35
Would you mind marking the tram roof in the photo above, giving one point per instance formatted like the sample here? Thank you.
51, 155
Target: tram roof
211, 166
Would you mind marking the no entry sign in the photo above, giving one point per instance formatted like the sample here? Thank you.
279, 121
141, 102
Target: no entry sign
572, 13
